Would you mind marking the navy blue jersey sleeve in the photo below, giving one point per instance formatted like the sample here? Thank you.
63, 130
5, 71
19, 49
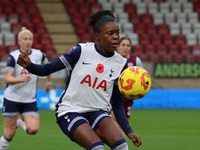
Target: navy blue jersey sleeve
118, 108
44, 70
126, 66
43, 57
71, 57
10, 61
67, 60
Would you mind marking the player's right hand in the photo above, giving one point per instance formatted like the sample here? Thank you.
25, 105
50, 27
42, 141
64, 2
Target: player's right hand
25, 78
24, 60
135, 139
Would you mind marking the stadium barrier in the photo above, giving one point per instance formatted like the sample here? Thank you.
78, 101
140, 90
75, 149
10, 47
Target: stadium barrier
169, 99
155, 99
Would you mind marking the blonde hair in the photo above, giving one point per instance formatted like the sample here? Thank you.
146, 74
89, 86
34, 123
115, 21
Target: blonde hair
24, 30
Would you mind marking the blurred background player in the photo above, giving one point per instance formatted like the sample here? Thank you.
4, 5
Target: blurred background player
124, 49
20, 93
82, 111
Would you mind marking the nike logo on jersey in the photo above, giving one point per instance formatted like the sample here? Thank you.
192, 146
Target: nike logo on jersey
85, 63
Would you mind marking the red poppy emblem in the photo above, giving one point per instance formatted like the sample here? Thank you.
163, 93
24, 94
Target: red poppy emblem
100, 68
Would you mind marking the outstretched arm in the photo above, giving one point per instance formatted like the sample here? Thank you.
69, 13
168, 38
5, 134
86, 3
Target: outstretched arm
41, 70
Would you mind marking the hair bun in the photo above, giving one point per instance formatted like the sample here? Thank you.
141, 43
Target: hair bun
24, 28
99, 18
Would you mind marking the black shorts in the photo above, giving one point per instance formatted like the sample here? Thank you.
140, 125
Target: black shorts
71, 121
11, 108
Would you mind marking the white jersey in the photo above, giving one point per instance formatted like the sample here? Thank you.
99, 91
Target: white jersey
23, 92
91, 81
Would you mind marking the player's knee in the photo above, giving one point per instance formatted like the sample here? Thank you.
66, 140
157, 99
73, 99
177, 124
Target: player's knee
32, 131
9, 134
97, 146
120, 145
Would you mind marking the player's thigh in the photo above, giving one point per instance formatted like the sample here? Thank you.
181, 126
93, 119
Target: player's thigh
85, 136
10, 126
109, 131
10, 113
77, 128
30, 115
32, 121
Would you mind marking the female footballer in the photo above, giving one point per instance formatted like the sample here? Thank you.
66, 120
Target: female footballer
20, 93
82, 111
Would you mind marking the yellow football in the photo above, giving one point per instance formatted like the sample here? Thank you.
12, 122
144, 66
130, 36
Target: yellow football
134, 82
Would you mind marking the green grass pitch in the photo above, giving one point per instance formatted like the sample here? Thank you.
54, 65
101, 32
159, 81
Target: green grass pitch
159, 130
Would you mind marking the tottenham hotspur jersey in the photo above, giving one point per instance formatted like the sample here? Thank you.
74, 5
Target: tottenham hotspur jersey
22, 92
90, 84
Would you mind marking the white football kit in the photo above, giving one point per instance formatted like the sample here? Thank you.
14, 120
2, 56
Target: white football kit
23, 92
91, 82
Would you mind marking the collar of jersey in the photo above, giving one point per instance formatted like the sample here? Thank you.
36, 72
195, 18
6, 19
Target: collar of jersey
128, 56
27, 54
105, 55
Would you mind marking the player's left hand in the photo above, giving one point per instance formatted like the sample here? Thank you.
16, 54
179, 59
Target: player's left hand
135, 139
48, 88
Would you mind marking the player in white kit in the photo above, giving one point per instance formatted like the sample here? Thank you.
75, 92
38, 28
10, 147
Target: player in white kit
83, 108
20, 93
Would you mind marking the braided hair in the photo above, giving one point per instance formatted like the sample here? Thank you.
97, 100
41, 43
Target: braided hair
100, 18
